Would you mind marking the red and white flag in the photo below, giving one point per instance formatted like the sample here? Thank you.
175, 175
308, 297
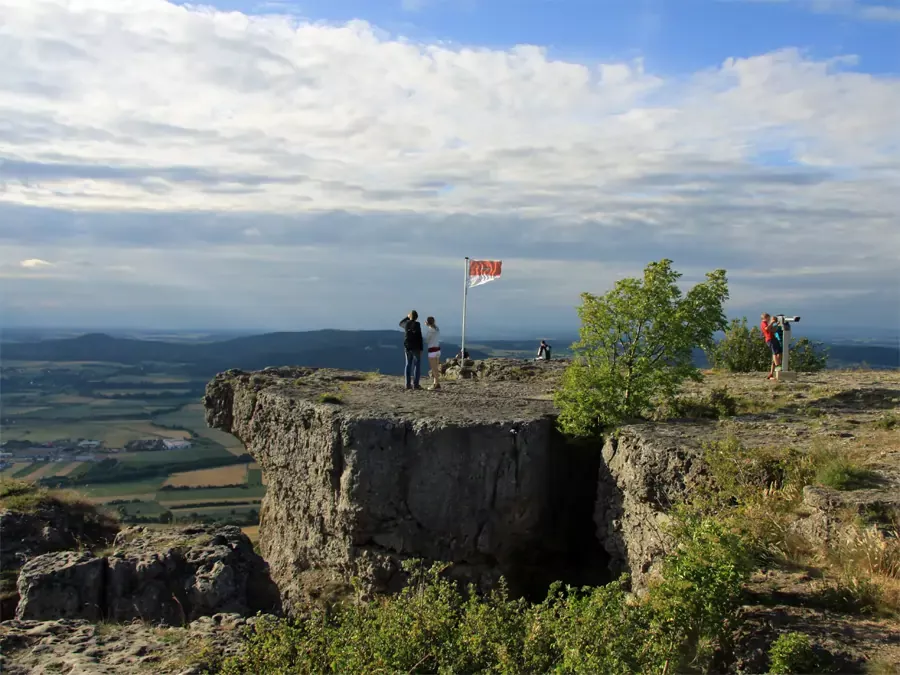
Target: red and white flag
483, 271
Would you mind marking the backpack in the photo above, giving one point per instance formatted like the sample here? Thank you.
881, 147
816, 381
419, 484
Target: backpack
413, 339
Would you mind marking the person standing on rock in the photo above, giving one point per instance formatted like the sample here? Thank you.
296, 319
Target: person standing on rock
412, 344
433, 344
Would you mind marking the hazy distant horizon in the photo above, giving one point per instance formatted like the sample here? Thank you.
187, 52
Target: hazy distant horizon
450, 333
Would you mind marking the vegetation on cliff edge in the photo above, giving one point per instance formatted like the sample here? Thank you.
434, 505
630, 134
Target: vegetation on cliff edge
636, 346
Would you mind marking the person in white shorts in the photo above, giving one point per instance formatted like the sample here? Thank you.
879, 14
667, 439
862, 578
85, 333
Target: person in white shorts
433, 345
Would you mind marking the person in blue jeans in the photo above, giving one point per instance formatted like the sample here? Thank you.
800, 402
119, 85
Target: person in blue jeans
412, 345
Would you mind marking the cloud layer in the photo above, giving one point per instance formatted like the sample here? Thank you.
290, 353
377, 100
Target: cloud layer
306, 155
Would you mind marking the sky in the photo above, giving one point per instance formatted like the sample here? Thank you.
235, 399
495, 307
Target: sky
299, 164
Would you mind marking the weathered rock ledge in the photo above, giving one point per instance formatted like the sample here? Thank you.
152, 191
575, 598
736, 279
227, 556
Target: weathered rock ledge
171, 576
363, 475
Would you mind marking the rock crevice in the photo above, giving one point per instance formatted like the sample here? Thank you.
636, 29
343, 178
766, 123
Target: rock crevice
477, 476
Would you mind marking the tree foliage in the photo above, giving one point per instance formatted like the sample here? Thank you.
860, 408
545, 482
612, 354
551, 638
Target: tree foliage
807, 356
636, 346
742, 350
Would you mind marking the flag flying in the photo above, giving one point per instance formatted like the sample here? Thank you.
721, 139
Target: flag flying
483, 271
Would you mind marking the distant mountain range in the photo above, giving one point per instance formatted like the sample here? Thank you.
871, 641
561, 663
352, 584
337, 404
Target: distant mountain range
359, 350
362, 350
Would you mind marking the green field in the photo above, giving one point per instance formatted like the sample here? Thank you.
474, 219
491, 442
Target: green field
210, 494
63, 403
175, 457
192, 418
144, 509
122, 490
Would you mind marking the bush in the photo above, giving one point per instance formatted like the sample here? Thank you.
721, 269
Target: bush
742, 350
717, 404
807, 356
887, 422
330, 398
842, 473
431, 626
792, 653
636, 347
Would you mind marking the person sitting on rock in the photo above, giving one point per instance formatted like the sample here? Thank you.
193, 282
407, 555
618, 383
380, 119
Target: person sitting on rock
433, 344
543, 352
412, 345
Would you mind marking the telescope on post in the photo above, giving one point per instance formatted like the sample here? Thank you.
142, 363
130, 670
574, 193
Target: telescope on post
785, 322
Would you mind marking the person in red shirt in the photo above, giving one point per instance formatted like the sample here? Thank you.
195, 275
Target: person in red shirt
766, 326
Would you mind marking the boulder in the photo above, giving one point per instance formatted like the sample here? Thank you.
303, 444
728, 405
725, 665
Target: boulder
165, 576
67, 585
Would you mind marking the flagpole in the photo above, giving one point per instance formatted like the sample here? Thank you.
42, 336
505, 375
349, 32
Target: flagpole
462, 349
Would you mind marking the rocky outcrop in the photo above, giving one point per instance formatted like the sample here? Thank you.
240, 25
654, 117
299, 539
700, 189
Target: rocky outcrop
164, 576
646, 469
41, 524
75, 646
362, 475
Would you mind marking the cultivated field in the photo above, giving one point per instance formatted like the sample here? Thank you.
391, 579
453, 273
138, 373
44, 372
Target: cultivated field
226, 475
191, 416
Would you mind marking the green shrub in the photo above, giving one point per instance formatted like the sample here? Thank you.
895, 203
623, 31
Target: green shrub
636, 347
841, 473
807, 356
431, 626
792, 653
887, 422
330, 398
741, 350
716, 404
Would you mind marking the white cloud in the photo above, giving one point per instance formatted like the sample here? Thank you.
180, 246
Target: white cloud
366, 147
34, 262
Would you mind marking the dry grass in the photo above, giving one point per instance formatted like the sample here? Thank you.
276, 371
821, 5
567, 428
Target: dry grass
252, 531
226, 475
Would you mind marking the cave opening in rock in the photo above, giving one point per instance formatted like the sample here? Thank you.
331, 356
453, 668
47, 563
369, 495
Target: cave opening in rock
569, 549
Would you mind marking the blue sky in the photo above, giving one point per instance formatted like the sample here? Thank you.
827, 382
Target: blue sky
672, 36
293, 165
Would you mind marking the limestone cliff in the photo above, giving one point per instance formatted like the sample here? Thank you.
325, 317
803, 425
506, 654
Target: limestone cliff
363, 475
477, 477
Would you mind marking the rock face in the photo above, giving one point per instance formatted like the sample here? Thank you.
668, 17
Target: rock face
476, 476
61, 586
169, 576
645, 470
48, 525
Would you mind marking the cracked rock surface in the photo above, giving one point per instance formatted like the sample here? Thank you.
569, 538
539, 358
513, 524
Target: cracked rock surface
162, 576
362, 475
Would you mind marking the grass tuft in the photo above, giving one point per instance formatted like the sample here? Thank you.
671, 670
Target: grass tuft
842, 473
330, 398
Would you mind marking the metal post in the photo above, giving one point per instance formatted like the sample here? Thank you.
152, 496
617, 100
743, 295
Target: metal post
786, 334
462, 349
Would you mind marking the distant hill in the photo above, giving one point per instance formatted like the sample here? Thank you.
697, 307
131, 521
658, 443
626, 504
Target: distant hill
363, 350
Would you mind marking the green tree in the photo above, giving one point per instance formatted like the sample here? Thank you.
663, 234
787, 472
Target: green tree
807, 356
636, 346
742, 350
